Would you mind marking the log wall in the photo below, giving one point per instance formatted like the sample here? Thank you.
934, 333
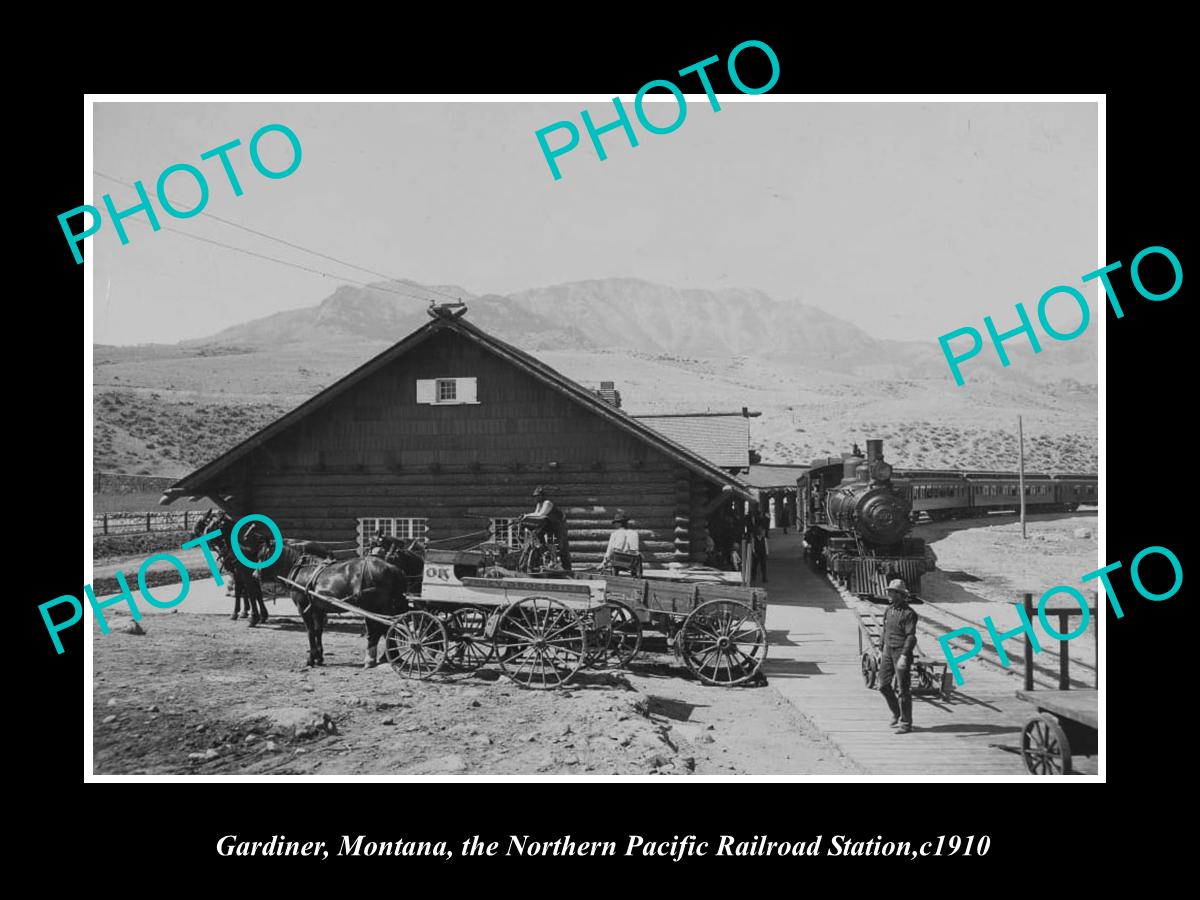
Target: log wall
376, 452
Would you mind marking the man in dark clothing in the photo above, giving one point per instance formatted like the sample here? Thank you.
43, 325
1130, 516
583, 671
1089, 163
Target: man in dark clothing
899, 641
760, 532
548, 518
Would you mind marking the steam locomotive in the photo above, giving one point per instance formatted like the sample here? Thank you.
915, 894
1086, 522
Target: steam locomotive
856, 522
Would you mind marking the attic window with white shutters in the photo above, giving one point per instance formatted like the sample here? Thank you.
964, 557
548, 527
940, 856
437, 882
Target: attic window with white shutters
446, 391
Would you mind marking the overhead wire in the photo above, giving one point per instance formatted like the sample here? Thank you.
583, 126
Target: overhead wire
284, 262
286, 243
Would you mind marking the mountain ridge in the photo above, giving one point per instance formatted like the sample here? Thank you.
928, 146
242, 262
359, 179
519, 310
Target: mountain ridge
820, 382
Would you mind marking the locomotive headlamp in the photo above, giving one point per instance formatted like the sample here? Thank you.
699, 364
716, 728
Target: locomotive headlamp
881, 471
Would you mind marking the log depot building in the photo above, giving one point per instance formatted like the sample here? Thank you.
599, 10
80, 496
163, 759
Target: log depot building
447, 433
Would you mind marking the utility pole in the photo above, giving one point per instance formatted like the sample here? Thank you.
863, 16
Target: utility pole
1021, 473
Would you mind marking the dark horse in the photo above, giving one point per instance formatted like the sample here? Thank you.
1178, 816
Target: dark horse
370, 584
246, 587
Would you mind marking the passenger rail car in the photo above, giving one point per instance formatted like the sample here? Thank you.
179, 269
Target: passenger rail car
939, 495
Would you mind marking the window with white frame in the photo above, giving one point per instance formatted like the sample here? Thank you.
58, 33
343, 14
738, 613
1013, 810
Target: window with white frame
506, 531
447, 391
398, 527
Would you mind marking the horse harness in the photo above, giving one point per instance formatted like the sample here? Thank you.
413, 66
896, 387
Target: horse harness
319, 566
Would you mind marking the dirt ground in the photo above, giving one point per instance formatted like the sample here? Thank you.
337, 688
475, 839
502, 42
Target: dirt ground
200, 694
1059, 549
985, 566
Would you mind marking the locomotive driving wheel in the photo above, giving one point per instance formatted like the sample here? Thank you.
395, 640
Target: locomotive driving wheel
469, 646
416, 644
540, 642
723, 642
1045, 748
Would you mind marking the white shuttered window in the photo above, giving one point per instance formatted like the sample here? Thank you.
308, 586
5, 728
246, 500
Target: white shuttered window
447, 391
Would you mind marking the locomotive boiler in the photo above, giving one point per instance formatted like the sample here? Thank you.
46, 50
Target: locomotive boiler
856, 522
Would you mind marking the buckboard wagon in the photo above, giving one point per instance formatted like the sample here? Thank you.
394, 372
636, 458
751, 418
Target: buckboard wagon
541, 631
928, 676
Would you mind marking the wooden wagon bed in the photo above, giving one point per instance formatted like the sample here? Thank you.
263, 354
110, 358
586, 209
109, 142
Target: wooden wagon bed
678, 597
1067, 725
1075, 706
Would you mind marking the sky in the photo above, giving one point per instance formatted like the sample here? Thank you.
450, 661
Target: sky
907, 219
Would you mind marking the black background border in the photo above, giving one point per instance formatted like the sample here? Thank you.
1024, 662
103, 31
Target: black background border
1148, 458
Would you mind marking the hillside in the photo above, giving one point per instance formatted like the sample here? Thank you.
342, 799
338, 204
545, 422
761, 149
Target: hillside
821, 383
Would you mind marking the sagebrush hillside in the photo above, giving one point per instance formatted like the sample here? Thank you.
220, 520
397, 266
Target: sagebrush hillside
820, 383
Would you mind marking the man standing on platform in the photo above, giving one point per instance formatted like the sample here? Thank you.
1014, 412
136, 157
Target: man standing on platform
899, 642
760, 532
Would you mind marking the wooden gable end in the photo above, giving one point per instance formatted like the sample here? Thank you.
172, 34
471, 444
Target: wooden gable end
379, 424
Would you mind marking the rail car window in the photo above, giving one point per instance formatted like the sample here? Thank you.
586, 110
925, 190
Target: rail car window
399, 527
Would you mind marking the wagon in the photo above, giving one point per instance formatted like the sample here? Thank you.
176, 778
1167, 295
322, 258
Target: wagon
717, 629
542, 630
1066, 725
928, 677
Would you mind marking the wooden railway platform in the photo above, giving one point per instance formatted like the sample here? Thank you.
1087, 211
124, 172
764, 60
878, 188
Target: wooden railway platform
814, 663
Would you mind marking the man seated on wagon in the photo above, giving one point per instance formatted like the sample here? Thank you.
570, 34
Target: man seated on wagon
549, 519
623, 552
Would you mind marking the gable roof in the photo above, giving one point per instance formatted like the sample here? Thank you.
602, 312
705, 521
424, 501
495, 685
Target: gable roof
724, 441
445, 320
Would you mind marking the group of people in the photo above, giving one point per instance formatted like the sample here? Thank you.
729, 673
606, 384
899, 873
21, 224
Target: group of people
730, 529
547, 520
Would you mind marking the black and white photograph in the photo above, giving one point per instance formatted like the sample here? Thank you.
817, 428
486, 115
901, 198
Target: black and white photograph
466, 439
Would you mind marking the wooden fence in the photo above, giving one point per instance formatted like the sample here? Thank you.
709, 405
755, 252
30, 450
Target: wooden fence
143, 522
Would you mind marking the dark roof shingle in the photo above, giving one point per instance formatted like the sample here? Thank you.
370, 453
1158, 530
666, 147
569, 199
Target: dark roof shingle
722, 440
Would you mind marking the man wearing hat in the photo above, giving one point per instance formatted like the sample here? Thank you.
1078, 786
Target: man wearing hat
899, 640
549, 518
623, 540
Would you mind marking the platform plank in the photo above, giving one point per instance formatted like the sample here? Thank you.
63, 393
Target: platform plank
814, 664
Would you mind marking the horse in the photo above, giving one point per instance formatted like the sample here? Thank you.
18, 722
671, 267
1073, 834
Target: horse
369, 583
408, 557
245, 584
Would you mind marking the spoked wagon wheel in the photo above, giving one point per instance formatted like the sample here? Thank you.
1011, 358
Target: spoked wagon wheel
416, 644
723, 642
540, 643
1044, 747
470, 647
619, 641
870, 670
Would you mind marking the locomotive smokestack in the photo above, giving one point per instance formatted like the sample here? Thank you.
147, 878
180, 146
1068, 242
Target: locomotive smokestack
874, 450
